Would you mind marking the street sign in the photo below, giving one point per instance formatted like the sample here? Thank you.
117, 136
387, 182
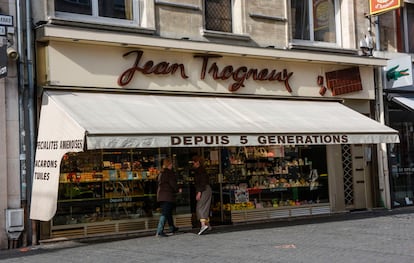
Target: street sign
2, 30
382, 6
399, 72
3, 61
6, 20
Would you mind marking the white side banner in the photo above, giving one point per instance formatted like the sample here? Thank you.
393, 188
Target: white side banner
55, 138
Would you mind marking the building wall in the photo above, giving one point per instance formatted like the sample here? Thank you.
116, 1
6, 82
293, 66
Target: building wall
9, 136
3, 164
258, 23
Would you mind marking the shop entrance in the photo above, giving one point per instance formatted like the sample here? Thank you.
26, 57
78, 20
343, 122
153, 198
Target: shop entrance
356, 176
360, 177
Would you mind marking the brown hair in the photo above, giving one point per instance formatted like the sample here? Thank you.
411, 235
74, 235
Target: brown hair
166, 162
198, 158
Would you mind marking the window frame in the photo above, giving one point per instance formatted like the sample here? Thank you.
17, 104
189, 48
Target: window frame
231, 18
407, 27
312, 42
96, 19
237, 7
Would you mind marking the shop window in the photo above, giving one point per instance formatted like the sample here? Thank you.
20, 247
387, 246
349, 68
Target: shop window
114, 184
102, 11
315, 21
401, 157
105, 185
409, 27
278, 178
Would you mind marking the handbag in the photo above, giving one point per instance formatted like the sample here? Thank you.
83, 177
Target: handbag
313, 179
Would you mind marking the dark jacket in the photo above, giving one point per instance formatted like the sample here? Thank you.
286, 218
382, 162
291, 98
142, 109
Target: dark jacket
201, 179
167, 186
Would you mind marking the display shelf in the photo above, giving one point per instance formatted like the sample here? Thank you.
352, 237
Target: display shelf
82, 197
260, 186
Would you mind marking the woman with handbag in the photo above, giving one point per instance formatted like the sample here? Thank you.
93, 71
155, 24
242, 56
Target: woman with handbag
203, 194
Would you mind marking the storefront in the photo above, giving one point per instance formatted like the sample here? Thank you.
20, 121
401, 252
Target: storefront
280, 138
399, 109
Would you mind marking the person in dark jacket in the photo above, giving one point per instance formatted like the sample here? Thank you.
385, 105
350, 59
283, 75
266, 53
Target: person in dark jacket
167, 189
203, 194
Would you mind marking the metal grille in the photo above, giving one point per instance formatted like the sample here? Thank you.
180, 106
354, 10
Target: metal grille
218, 15
348, 178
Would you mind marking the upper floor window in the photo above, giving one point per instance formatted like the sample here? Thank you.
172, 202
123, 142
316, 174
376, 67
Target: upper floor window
218, 15
409, 27
315, 20
109, 11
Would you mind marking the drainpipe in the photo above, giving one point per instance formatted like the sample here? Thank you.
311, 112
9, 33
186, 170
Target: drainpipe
22, 126
27, 111
383, 170
32, 98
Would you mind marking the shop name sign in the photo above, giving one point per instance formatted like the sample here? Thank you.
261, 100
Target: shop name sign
381, 6
238, 75
247, 140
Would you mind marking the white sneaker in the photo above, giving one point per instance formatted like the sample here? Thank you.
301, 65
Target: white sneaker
202, 230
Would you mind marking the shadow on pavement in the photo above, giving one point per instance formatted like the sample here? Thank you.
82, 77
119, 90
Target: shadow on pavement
353, 215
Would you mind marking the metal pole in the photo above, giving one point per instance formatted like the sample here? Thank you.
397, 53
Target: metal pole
22, 120
383, 171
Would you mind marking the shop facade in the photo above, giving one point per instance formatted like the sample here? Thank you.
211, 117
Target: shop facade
399, 107
280, 138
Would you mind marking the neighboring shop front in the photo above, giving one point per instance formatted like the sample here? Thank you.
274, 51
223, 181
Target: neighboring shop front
399, 106
280, 138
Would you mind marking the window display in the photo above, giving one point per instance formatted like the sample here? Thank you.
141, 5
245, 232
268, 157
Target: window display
105, 185
401, 157
272, 177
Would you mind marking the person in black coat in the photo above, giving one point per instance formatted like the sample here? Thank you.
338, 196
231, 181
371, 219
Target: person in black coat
167, 189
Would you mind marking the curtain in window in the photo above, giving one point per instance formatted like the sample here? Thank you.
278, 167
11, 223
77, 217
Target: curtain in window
300, 19
324, 20
128, 10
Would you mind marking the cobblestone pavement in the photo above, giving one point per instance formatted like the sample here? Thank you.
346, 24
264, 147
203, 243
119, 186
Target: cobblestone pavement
376, 236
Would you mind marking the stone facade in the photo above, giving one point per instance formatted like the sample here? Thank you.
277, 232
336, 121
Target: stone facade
10, 194
261, 29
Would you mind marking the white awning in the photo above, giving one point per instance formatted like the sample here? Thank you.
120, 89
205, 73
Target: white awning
113, 120
405, 101
130, 121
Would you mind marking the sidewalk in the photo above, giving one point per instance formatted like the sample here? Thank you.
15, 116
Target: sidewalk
369, 236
